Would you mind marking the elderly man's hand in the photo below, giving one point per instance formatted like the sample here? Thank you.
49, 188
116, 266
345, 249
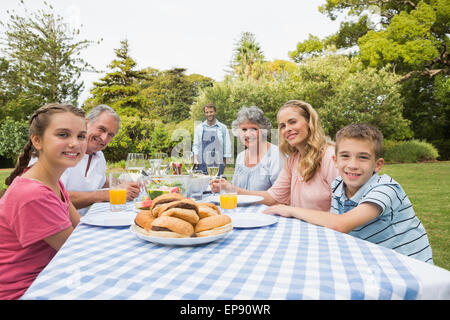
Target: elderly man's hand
133, 190
216, 183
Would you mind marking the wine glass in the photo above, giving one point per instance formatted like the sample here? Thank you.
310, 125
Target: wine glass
188, 160
134, 165
164, 165
212, 161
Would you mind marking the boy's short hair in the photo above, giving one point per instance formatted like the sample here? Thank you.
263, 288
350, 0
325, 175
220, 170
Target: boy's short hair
362, 131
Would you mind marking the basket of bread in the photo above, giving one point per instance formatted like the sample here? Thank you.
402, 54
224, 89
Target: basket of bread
172, 216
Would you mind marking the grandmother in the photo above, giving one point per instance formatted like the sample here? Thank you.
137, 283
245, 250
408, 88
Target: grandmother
258, 165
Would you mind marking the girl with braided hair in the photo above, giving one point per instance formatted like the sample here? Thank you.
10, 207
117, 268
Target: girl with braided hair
36, 215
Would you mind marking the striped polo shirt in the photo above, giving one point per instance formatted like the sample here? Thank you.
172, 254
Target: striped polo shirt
397, 226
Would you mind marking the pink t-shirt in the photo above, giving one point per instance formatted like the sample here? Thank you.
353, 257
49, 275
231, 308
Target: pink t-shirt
29, 212
315, 194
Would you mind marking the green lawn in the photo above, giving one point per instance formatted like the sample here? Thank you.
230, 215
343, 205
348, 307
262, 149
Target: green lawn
428, 187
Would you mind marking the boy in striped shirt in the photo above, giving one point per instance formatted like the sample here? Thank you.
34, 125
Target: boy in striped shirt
364, 204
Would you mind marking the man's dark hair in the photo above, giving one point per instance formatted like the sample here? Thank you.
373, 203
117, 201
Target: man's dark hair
209, 105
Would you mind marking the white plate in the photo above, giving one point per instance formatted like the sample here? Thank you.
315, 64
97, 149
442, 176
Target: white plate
241, 199
110, 219
177, 241
251, 220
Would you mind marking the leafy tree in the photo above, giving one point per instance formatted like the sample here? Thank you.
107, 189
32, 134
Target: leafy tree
43, 54
140, 135
410, 39
121, 87
277, 69
172, 93
199, 82
411, 35
339, 88
247, 57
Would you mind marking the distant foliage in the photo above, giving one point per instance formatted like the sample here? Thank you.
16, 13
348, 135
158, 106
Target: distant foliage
409, 151
137, 135
339, 88
13, 136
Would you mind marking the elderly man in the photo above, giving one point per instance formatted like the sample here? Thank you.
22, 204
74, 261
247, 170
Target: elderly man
86, 180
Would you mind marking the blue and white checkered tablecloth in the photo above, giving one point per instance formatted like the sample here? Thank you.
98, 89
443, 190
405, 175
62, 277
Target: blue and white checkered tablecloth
288, 260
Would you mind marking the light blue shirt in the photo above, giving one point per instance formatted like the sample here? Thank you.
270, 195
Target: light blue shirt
263, 175
397, 227
222, 135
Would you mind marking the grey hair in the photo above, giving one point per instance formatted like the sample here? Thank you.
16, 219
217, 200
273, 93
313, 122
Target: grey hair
98, 110
251, 114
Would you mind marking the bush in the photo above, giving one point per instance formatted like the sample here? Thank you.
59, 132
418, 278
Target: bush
13, 136
136, 134
443, 147
409, 151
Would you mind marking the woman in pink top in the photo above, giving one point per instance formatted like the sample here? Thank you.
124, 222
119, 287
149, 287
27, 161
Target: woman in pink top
306, 178
36, 216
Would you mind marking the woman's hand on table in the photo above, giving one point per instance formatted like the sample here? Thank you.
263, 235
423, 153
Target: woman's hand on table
281, 210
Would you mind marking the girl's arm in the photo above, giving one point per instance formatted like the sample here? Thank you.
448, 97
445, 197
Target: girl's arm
345, 222
57, 240
74, 215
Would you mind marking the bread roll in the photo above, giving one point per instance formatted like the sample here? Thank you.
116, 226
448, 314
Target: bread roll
213, 225
171, 227
207, 210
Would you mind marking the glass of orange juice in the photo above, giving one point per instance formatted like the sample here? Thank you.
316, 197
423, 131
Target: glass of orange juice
117, 191
228, 196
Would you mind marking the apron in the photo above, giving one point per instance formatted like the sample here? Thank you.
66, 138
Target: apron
211, 143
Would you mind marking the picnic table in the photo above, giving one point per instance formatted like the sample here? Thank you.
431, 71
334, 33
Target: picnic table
289, 259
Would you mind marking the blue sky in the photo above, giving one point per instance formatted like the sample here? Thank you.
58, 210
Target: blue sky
195, 34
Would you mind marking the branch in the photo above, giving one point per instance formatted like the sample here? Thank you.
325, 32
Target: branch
430, 73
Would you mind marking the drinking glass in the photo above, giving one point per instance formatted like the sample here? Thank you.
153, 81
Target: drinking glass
164, 165
135, 164
228, 196
198, 184
155, 165
188, 160
117, 191
212, 161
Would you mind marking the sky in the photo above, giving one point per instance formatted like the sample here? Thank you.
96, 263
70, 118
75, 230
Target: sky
198, 35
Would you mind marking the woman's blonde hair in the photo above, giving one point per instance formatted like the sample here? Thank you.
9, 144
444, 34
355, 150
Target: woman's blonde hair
315, 144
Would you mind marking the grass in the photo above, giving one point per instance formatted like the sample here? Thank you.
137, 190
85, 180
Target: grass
427, 186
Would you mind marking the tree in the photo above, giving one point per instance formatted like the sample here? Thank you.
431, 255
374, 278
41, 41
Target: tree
44, 54
339, 88
172, 92
121, 87
247, 56
408, 37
